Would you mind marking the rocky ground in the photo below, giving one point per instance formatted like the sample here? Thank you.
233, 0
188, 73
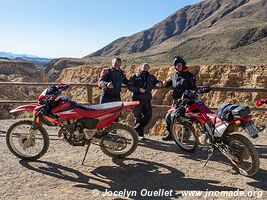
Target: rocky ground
153, 166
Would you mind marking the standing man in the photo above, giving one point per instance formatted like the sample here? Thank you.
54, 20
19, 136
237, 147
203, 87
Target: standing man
180, 81
111, 80
141, 84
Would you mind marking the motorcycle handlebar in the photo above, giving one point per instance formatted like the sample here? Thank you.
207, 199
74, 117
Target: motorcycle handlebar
55, 91
193, 94
189, 94
204, 90
63, 86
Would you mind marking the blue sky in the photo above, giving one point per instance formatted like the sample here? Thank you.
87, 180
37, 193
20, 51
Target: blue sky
75, 28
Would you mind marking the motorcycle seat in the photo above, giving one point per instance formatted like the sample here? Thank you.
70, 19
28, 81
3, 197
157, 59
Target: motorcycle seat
100, 106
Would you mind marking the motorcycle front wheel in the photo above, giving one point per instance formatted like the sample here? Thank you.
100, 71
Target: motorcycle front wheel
119, 140
184, 136
25, 142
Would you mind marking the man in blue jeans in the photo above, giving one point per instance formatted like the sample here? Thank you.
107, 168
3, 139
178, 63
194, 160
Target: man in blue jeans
141, 84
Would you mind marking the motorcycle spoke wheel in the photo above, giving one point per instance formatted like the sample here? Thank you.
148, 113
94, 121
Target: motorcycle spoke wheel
25, 142
184, 136
243, 155
120, 140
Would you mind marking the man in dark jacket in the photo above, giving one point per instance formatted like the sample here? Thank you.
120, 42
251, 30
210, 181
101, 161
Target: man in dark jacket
111, 80
180, 81
141, 84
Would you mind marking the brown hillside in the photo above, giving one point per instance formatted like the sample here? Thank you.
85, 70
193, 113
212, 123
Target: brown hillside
9, 69
18, 71
210, 32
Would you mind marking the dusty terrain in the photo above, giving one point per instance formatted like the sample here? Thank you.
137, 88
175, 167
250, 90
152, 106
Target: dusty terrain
154, 165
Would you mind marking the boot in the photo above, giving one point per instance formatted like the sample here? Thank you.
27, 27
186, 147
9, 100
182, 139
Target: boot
140, 130
167, 138
137, 127
141, 134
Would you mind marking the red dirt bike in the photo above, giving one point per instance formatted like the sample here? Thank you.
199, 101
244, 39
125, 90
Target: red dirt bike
260, 103
192, 122
79, 125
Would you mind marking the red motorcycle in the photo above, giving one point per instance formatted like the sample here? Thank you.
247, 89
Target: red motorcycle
260, 103
192, 122
79, 125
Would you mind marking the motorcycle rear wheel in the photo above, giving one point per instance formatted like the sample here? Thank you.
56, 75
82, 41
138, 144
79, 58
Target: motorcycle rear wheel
247, 158
124, 139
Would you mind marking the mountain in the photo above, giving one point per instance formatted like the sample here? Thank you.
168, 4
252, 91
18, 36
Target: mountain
39, 62
209, 32
55, 66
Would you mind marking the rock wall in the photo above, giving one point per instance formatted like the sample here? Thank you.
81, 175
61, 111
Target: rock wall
215, 75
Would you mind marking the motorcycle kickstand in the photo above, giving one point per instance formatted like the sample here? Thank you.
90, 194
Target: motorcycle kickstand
86, 151
210, 154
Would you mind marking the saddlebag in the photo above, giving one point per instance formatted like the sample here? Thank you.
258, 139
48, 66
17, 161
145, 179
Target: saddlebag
225, 111
228, 112
241, 111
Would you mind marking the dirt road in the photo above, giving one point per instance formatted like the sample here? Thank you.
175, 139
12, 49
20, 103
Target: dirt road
156, 166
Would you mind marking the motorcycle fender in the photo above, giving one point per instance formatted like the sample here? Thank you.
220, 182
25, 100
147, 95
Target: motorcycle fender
25, 108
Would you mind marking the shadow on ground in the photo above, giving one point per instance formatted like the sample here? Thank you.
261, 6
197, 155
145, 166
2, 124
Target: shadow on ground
131, 174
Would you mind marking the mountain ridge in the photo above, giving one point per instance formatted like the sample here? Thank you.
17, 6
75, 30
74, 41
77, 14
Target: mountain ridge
244, 21
211, 32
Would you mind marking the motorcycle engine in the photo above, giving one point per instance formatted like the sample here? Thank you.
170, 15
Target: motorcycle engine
73, 131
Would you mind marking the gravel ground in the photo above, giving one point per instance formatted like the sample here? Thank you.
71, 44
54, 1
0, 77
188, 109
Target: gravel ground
156, 166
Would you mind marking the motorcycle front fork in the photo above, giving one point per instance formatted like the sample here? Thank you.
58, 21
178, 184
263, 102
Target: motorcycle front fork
30, 138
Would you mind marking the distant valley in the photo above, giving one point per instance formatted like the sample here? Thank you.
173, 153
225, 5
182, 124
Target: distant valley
37, 61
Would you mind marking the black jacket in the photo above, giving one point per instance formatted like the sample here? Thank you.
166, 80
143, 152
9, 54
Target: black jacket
117, 77
139, 81
180, 82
